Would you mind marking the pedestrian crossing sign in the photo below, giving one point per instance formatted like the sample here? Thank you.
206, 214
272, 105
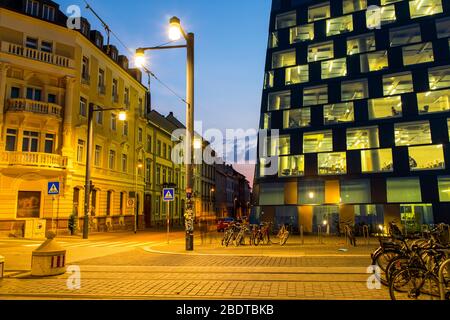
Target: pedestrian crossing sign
169, 194
53, 188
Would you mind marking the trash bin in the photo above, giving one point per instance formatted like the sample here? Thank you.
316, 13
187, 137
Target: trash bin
49, 259
2, 266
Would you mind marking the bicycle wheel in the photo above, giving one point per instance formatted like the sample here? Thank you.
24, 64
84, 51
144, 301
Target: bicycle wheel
383, 259
238, 240
284, 238
414, 284
395, 265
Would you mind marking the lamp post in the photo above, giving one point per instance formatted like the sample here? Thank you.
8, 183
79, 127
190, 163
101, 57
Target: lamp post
175, 33
138, 167
90, 136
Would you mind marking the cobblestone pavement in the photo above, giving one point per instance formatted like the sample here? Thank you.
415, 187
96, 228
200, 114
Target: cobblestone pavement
308, 271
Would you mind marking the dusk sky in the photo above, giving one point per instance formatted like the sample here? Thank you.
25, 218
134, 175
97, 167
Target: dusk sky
231, 41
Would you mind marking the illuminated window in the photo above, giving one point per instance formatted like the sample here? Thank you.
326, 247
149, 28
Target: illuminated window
353, 90
297, 118
315, 95
338, 113
439, 77
319, 12
286, 20
332, 163
268, 80
321, 51
361, 43
397, 84
334, 68
292, 166
412, 133
318, 141
339, 25
374, 61
443, 27
283, 59
350, 6
379, 16
433, 101
355, 191
403, 190
273, 40
384, 2
379, 160
362, 138
279, 100
418, 53
444, 189
389, 107
448, 126
405, 35
311, 192
298, 74
421, 8
426, 158
280, 146
302, 33
266, 121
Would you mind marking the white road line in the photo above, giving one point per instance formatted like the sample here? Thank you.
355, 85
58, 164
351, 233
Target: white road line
78, 245
104, 244
32, 245
123, 244
140, 244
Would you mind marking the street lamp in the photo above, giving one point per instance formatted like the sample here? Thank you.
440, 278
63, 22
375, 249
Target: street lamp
139, 166
175, 33
90, 138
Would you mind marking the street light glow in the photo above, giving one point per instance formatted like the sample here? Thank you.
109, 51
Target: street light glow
122, 116
139, 58
174, 29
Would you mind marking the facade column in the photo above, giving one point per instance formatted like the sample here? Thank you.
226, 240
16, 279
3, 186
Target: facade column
67, 129
3, 74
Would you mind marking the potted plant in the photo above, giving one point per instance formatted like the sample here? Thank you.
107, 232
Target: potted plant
73, 223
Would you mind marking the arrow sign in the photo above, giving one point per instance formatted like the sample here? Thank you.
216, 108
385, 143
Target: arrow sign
168, 194
53, 188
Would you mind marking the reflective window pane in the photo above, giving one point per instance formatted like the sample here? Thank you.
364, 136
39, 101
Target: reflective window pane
354, 90
280, 146
379, 160
439, 77
302, 33
311, 192
397, 84
319, 12
443, 27
339, 25
374, 61
318, 141
268, 80
298, 74
433, 101
361, 43
350, 6
418, 53
271, 194
292, 166
405, 35
321, 51
279, 100
421, 8
355, 191
286, 20
362, 138
332, 163
314, 96
379, 16
389, 107
283, 59
334, 68
403, 190
297, 118
426, 158
338, 113
412, 133
444, 188
273, 40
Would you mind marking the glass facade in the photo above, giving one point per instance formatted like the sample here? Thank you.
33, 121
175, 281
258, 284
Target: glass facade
361, 95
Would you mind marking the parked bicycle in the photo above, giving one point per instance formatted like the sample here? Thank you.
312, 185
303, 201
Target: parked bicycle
283, 235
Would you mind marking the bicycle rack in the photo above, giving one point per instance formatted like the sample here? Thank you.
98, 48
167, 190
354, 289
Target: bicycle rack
319, 234
366, 234
301, 234
442, 286
346, 235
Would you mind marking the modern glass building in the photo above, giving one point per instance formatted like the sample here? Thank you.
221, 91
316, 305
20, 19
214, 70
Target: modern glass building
360, 93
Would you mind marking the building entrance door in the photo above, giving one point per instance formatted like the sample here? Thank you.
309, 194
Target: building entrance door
148, 210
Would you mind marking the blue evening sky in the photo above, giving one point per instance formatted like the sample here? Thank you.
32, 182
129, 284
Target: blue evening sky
231, 41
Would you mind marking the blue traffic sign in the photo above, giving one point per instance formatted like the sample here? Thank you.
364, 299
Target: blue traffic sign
168, 194
53, 188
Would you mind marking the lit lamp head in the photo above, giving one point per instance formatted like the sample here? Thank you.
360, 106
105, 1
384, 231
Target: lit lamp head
139, 58
122, 116
174, 29
311, 195
381, 227
140, 165
325, 222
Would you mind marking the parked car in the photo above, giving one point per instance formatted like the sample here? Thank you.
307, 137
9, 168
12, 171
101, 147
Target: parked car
223, 223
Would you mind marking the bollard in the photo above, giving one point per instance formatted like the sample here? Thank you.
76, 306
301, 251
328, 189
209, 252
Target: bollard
49, 259
366, 234
319, 233
301, 234
2, 266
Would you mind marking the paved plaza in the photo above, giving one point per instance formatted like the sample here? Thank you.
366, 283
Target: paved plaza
145, 266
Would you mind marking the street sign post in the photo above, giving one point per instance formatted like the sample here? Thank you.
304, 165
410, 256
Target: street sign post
168, 196
53, 190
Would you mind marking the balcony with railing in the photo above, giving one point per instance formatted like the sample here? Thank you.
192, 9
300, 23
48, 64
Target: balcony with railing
33, 159
38, 107
38, 55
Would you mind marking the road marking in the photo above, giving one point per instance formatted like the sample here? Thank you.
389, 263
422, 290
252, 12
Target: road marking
104, 243
32, 245
141, 244
123, 244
